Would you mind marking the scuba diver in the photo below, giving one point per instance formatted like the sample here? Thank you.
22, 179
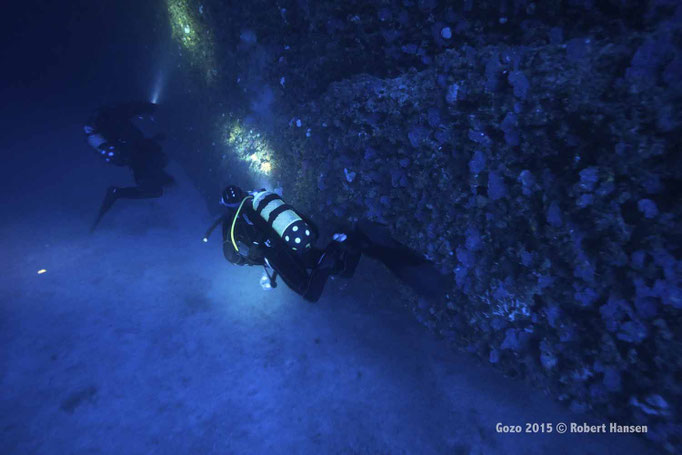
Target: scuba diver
111, 133
260, 229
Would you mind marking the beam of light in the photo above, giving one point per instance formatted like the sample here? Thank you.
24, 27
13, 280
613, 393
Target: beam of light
189, 28
159, 84
250, 146
41, 271
184, 24
164, 62
266, 168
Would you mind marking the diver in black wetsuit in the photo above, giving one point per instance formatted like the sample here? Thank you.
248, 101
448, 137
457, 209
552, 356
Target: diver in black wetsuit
261, 229
114, 137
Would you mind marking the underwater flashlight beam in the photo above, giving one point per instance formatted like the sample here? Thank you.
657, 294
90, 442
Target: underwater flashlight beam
164, 70
158, 86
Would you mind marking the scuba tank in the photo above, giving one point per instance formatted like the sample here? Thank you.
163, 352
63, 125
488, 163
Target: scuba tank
103, 148
283, 220
95, 140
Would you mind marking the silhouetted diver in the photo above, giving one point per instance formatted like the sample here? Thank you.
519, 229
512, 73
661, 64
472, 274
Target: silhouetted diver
112, 134
259, 228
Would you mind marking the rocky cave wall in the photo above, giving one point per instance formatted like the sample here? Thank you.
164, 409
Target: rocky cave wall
532, 150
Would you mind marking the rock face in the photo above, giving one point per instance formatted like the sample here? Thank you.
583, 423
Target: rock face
533, 152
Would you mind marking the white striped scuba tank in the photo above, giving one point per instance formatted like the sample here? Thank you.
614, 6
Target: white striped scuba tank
283, 219
105, 149
95, 140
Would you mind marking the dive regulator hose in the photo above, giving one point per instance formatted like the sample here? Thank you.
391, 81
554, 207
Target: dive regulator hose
234, 222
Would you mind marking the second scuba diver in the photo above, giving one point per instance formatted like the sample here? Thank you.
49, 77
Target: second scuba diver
111, 133
260, 229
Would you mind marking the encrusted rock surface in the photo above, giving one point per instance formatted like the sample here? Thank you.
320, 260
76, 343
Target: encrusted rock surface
533, 152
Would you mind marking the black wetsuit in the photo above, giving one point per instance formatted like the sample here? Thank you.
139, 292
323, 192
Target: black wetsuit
112, 134
305, 272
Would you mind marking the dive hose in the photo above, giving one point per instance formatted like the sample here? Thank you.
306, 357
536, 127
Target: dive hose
234, 222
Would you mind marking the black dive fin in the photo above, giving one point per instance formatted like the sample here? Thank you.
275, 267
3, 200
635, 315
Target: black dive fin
407, 264
107, 203
375, 233
425, 279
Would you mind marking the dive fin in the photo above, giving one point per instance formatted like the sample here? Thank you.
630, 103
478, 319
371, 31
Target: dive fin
376, 233
408, 265
109, 199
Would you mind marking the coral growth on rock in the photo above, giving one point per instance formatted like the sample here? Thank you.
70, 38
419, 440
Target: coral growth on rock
535, 159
